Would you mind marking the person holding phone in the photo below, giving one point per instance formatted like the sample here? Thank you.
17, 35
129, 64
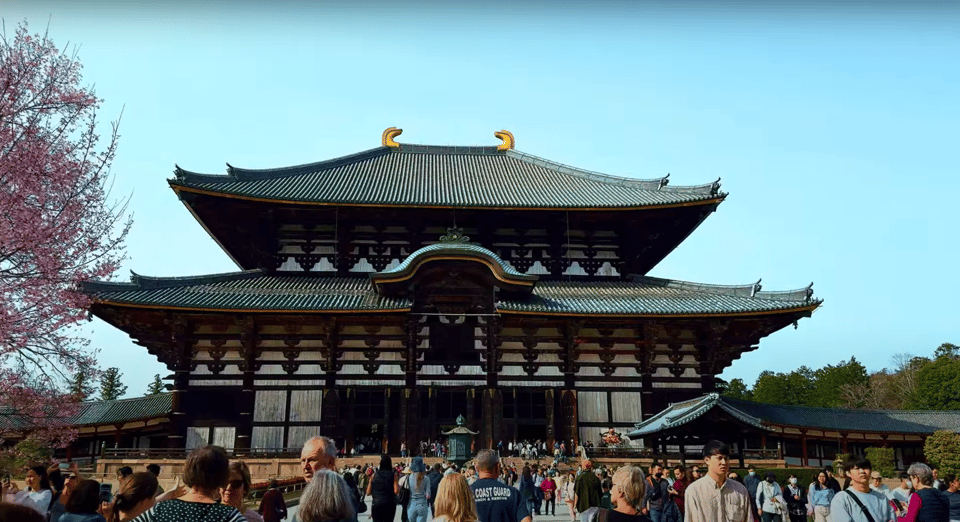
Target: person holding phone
37, 496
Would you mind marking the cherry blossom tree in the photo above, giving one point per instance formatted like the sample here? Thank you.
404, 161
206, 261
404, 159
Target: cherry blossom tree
59, 225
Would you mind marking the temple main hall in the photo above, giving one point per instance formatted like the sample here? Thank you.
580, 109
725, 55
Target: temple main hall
380, 295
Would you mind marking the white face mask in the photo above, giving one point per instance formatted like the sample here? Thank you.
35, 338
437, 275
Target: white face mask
793, 480
752, 473
909, 484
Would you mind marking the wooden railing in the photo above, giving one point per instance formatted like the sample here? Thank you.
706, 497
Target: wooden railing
174, 453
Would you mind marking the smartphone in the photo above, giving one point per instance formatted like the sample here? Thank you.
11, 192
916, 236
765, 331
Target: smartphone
106, 493
64, 466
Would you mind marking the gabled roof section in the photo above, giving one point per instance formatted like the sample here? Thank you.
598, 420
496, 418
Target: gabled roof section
455, 250
102, 412
442, 177
772, 416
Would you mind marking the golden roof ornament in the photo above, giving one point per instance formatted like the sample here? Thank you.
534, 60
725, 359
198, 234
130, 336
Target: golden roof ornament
508, 141
387, 139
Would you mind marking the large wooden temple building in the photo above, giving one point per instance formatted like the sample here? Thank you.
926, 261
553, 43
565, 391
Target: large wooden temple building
382, 294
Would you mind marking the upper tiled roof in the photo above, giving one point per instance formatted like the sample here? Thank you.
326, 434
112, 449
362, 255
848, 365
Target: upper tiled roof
104, 412
431, 176
765, 416
254, 291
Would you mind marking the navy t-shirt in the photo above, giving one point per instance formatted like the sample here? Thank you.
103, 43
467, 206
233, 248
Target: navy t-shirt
498, 502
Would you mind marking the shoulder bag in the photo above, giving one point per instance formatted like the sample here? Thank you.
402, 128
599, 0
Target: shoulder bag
866, 512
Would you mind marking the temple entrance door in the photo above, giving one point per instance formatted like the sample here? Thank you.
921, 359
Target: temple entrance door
531, 432
368, 438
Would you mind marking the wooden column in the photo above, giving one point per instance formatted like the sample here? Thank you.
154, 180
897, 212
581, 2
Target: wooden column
550, 414
492, 404
803, 448
410, 400
182, 361
247, 399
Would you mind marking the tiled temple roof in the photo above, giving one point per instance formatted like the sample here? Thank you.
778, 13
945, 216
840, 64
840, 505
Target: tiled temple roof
253, 290
96, 413
434, 176
767, 416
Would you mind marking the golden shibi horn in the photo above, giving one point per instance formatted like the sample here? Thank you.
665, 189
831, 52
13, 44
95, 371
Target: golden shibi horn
508, 141
388, 135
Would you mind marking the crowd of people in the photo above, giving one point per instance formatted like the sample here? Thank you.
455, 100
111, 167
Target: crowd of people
488, 490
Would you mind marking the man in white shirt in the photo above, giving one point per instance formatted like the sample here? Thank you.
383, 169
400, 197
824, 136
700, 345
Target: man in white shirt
714, 497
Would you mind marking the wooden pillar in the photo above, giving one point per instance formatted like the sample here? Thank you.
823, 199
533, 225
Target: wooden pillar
410, 401
182, 360
803, 448
743, 449
549, 413
350, 394
843, 441
492, 404
117, 434
247, 399
385, 434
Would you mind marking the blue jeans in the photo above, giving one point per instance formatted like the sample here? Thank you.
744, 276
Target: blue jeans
531, 505
418, 511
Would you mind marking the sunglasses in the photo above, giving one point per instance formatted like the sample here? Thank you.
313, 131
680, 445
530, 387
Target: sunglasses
235, 484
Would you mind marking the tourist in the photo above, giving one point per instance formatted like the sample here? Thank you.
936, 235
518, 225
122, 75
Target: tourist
155, 469
236, 490
273, 508
752, 481
586, 490
403, 450
326, 499
900, 496
123, 473
695, 474
927, 504
384, 487
627, 491
876, 484
354, 490
567, 493
528, 490
854, 503
770, 500
549, 489
70, 482
419, 487
605, 486
538, 476
320, 453
953, 496
455, 502
657, 502
403, 498
936, 479
714, 497
496, 502
135, 496
832, 482
821, 495
796, 499
206, 470
37, 496
19, 513
434, 477
683, 477
84, 503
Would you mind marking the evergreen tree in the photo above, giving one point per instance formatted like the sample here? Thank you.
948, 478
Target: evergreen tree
81, 386
156, 387
110, 386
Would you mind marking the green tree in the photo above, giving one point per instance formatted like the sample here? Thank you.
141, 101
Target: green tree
792, 389
942, 449
938, 386
110, 386
82, 383
828, 383
882, 460
156, 387
737, 389
947, 351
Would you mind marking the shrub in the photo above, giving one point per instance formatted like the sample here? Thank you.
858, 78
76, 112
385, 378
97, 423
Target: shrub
942, 449
882, 460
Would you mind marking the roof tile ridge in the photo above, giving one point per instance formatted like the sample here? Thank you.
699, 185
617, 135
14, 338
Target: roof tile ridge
235, 174
152, 282
153, 397
728, 400
655, 184
752, 290
479, 150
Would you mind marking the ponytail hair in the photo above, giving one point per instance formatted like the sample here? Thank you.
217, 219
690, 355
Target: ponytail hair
139, 487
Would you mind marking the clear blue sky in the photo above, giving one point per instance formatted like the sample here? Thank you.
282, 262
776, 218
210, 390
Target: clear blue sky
834, 129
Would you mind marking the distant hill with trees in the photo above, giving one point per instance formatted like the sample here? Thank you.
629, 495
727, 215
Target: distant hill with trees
913, 383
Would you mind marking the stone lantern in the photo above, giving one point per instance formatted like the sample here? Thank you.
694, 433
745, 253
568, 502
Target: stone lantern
459, 441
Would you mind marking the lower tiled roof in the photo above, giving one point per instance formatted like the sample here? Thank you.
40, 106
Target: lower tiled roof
768, 416
96, 413
255, 291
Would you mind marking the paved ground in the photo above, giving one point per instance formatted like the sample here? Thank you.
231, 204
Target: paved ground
563, 514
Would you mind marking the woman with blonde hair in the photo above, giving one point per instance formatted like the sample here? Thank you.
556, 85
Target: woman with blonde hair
454, 501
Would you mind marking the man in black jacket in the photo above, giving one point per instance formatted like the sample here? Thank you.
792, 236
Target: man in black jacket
434, 478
